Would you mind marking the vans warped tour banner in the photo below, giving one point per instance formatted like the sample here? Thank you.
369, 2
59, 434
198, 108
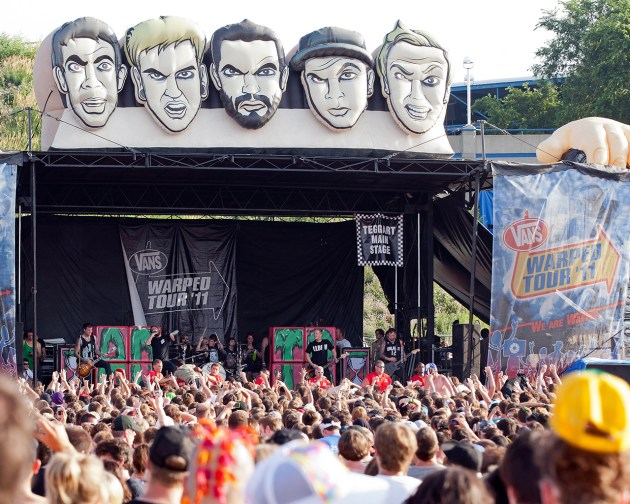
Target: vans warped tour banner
181, 276
560, 265
379, 240
7, 268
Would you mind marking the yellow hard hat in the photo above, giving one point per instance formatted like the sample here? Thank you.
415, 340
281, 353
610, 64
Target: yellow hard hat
592, 412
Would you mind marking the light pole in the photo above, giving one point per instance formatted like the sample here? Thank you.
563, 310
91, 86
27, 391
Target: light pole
468, 64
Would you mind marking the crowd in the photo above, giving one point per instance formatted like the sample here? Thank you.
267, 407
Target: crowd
196, 438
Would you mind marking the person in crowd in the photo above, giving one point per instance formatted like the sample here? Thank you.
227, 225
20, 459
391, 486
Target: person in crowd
170, 456
319, 380
72, 477
214, 378
330, 433
378, 378
354, 449
454, 484
27, 372
223, 460
520, 469
419, 378
425, 461
589, 430
155, 376
587, 456
395, 446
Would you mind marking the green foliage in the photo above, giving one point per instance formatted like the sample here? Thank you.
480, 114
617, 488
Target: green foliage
447, 310
16, 94
591, 48
16, 46
375, 312
523, 107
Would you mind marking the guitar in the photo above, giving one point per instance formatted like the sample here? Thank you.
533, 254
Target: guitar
310, 370
392, 367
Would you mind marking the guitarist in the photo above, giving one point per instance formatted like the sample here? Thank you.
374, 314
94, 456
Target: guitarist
392, 354
85, 349
317, 352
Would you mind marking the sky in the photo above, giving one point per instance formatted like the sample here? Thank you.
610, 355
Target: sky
498, 35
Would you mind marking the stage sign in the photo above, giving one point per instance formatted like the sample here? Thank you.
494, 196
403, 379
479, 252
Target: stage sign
379, 240
182, 277
7, 269
560, 265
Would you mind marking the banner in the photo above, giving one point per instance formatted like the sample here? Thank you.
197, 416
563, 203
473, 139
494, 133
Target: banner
181, 276
7, 269
379, 240
560, 266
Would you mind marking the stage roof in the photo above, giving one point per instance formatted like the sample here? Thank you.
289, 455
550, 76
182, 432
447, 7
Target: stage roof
217, 183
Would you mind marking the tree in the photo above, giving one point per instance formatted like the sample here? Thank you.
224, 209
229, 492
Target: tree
524, 107
591, 48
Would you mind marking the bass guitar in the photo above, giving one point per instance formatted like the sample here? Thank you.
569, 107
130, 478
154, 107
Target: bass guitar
392, 367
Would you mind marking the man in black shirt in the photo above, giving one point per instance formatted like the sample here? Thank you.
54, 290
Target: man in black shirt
85, 349
160, 345
317, 352
392, 353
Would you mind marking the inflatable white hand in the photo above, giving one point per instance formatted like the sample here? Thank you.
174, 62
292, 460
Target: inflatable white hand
604, 141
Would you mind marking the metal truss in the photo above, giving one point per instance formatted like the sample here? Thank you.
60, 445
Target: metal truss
155, 183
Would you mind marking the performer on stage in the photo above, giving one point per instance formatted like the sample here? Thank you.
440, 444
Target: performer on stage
253, 358
378, 378
341, 342
85, 349
392, 354
317, 352
377, 346
160, 345
232, 361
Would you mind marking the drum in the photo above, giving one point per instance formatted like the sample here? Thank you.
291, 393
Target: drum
206, 369
84, 368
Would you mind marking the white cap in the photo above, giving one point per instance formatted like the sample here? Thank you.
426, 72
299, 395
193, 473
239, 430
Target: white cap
309, 473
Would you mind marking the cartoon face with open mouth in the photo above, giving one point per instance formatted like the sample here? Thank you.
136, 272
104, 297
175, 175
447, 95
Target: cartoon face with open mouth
416, 85
89, 79
172, 84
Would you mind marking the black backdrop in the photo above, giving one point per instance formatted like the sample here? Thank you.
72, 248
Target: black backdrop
288, 273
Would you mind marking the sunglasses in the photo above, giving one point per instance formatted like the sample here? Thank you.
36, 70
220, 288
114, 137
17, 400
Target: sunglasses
379, 367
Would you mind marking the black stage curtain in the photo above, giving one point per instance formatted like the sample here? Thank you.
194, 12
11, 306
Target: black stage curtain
287, 274
80, 275
452, 232
296, 273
